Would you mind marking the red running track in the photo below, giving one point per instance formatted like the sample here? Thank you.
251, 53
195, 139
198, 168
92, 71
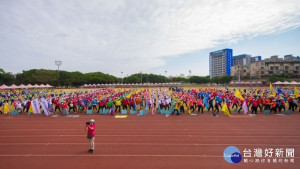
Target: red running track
146, 142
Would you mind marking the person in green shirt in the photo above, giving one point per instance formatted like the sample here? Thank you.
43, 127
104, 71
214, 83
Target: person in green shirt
109, 105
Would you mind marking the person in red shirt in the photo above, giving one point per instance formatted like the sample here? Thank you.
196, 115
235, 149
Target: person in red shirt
259, 103
28, 105
235, 102
125, 103
65, 108
131, 101
191, 103
90, 128
254, 106
57, 105
100, 105
281, 105
200, 105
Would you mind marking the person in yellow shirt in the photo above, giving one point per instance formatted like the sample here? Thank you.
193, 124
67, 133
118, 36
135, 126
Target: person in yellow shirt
176, 108
181, 106
118, 105
5, 109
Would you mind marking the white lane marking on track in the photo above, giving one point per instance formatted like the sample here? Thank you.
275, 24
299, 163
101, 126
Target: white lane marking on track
152, 120
162, 129
111, 155
124, 135
105, 155
150, 144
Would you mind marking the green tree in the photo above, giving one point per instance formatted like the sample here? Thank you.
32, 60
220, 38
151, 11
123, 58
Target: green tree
198, 79
225, 79
179, 79
6, 78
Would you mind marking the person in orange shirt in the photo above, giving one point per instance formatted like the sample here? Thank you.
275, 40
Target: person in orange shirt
282, 105
273, 106
267, 104
191, 103
199, 103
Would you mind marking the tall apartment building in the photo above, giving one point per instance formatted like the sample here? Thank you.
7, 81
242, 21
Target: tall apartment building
220, 62
289, 65
243, 59
255, 59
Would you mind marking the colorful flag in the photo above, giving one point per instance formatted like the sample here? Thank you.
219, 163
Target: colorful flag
226, 110
238, 95
272, 91
6, 109
36, 106
152, 109
245, 107
147, 104
205, 102
279, 91
271, 87
44, 105
30, 109
296, 91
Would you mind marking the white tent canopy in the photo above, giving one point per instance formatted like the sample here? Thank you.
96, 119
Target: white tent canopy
277, 83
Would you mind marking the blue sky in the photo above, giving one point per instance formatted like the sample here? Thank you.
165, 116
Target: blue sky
280, 43
151, 36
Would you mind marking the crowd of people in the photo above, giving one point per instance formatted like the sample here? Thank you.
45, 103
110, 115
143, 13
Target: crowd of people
155, 100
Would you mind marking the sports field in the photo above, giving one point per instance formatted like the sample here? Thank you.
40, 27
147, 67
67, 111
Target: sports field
147, 141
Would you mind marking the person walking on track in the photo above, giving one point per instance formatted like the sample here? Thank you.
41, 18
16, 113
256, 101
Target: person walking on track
90, 127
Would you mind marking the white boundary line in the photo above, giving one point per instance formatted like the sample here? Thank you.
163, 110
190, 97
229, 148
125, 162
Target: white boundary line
108, 155
153, 124
150, 120
151, 144
161, 129
112, 155
124, 135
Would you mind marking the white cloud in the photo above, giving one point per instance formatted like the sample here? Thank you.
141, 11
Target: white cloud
130, 36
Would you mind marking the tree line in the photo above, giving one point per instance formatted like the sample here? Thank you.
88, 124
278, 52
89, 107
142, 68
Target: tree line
75, 79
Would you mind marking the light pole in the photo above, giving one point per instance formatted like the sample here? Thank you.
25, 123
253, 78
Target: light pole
122, 76
239, 75
58, 63
190, 72
166, 75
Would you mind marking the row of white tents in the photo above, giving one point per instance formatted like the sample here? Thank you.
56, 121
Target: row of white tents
29, 86
246, 83
258, 83
286, 83
129, 84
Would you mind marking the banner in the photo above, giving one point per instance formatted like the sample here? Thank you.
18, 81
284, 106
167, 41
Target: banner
36, 106
245, 107
226, 110
296, 91
279, 91
271, 87
273, 93
6, 109
44, 105
238, 95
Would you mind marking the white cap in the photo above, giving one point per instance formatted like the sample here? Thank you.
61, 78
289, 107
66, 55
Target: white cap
92, 120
